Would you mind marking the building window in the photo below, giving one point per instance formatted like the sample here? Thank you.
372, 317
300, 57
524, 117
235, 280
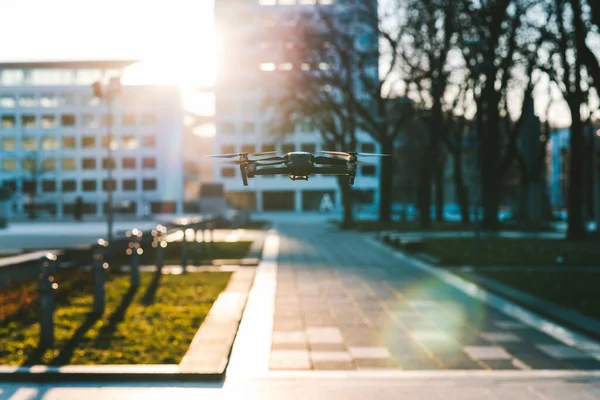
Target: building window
287, 2
29, 143
108, 120
88, 163
66, 99
69, 185
48, 186
89, 185
227, 149
248, 127
8, 121
148, 141
308, 2
248, 148
67, 120
108, 163
49, 164
228, 172
27, 100
148, 119
28, 121
267, 2
129, 142
368, 170
49, 143
268, 147
288, 147
129, 185
148, 163
9, 164
267, 67
368, 148
128, 120
109, 185
69, 164
227, 128
128, 163
89, 121
9, 144
7, 101
149, 184
308, 147
48, 100
88, 142
69, 142
48, 121
114, 144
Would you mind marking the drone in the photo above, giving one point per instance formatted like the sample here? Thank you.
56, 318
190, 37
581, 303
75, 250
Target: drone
298, 165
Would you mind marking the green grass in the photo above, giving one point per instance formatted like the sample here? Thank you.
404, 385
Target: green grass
508, 251
146, 327
577, 290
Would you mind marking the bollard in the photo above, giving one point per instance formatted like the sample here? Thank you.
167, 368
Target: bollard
99, 267
46, 288
184, 256
160, 244
135, 251
197, 245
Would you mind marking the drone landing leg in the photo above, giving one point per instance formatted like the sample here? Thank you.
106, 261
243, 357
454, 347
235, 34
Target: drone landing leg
350, 180
244, 175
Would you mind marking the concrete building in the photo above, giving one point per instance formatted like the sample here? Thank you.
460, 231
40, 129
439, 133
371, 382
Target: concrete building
257, 41
54, 145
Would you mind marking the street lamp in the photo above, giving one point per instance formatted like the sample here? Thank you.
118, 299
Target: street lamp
109, 93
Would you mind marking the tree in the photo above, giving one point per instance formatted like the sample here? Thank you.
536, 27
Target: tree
35, 169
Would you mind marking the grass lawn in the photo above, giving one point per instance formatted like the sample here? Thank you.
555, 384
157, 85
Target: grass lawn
577, 290
508, 251
414, 226
215, 251
154, 325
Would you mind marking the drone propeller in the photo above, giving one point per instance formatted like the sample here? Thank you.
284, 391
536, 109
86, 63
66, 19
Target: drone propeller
232, 155
350, 154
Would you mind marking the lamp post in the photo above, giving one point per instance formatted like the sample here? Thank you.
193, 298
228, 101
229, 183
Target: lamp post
108, 93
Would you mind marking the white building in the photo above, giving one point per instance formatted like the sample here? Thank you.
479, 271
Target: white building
250, 38
53, 139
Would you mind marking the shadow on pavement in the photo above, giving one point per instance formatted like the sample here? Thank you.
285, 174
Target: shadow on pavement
64, 357
150, 294
106, 332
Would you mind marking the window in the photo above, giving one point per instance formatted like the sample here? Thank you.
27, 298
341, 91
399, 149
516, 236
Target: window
108, 163
89, 121
248, 127
227, 128
326, 2
368, 148
69, 164
149, 184
7, 101
148, 141
109, 185
308, 1
8, 121
9, 164
69, 185
29, 143
287, 2
28, 121
66, 99
148, 119
128, 163
48, 186
267, 67
268, 147
49, 164
308, 147
49, 143
149, 163
368, 170
129, 142
88, 163
227, 149
29, 164
114, 144
286, 66
267, 2
48, 121
27, 100
67, 120
89, 185
129, 185
107, 120
248, 148
128, 120
228, 172
48, 100
288, 147
9, 144
69, 142
88, 142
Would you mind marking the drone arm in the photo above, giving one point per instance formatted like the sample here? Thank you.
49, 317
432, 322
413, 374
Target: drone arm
329, 161
332, 170
271, 171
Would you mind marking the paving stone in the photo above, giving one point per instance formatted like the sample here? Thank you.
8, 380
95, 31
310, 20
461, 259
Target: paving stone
369, 352
501, 337
288, 324
504, 365
333, 365
376, 363
585, 364
289, 359
327, 347
324, 335
330, 356
487, 352
289, 337
289, 346
562, 352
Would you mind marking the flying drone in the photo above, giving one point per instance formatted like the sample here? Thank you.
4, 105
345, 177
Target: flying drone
298, 165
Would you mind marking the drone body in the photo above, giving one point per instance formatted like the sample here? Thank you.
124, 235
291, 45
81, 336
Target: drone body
298, 165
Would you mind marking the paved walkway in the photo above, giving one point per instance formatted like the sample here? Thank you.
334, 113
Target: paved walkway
343, 303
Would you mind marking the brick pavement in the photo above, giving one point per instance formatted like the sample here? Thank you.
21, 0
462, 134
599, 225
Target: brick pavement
342, 303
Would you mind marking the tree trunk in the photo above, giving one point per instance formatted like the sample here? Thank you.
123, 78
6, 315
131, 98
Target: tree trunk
347, 206
490, 164
425, 194
576, 229
386, 181
439, 189
460, 189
